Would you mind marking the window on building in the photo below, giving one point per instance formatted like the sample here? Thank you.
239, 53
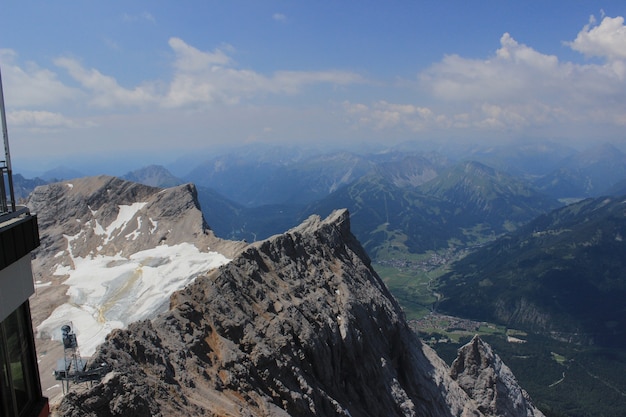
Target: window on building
19, 383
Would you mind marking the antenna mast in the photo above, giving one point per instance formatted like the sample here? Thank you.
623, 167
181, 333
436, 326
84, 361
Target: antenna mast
6, 164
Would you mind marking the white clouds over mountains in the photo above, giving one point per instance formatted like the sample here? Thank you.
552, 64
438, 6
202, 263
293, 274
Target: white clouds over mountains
208, 77
516, 91
199, 78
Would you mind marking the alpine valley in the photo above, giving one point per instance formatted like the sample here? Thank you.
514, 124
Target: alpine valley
357, 262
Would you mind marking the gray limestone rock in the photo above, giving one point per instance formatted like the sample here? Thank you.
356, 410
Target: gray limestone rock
299, 325
85, 208
485, 378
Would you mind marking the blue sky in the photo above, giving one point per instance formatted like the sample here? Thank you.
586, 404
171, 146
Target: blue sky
166, 78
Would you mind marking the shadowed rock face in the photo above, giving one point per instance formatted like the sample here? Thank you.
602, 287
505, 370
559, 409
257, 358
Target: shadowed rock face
299, 324
483, 375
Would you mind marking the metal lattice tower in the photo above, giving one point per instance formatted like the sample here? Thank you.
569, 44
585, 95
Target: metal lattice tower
72, 368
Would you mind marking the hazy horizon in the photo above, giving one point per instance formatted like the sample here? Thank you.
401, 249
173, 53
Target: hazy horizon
182, 163
154, 81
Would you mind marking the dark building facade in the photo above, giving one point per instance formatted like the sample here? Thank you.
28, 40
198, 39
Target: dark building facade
20, 387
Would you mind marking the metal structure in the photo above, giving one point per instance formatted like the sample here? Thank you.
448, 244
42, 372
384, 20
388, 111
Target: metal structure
73, 367
20, 385
7, 201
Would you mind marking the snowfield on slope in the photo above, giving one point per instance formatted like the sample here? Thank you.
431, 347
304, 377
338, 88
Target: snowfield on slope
107, 292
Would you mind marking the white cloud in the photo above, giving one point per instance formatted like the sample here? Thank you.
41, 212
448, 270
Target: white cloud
190, 59
145, 16
104, 91
516, 72
209, 77
43, 120
30, 85
199, 78
279, 17
383, 115
148, 16
517, 89
607, 40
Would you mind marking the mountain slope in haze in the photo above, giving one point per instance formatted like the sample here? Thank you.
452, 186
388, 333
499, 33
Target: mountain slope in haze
590, 173
314, 178
239, 175
22, 187
463, 205
525, 160
296, 325
617, 189
229, 220
563, 274
304, 179
61, 173
407, 169
254, 183
485, 193
154, 176
385, 215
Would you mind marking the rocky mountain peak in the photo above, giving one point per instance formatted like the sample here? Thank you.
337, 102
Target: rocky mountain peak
153, 175
483, 375
111, 253
106, 215
298, 324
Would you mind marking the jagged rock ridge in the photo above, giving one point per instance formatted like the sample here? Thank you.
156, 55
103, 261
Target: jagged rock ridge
92, 204
112, 252
482, 374
299, 324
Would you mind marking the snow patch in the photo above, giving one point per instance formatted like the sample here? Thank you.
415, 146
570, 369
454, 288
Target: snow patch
124, 216
107, 292
62, 270
135, 233
98, 229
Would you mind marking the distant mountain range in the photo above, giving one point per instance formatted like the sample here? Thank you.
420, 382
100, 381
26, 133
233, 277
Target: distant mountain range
401, 201
586, 174
462, 205
185, 323
563, 274
22, 187
534, 263
153, 176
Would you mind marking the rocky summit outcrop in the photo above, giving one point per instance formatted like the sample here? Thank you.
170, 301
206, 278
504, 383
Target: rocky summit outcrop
104, 216
296, 325
116, 217
112, 252
483, 375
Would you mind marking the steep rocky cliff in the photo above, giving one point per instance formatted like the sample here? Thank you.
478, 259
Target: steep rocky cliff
300, 325
114, 216
112, 252
483, 375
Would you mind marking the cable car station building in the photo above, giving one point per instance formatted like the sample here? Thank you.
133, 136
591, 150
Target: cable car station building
20, 387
